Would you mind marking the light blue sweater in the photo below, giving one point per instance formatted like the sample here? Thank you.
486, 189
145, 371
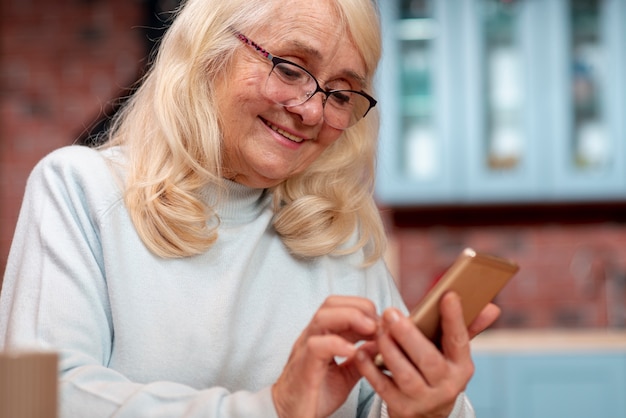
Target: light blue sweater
142, 336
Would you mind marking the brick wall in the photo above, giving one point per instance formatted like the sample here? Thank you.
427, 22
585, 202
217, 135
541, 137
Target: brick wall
571, 275
61, 62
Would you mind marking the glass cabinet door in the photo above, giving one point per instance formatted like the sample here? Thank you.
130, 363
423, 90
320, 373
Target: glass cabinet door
501, 75
416, 31
591, 47
487, 101
416, 161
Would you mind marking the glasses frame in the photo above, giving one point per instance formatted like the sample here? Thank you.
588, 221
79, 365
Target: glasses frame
327, 93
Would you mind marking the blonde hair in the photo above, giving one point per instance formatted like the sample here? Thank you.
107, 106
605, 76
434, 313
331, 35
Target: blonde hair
171, 135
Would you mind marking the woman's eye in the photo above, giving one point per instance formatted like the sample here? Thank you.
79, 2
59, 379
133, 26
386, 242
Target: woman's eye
341, 98
291, 73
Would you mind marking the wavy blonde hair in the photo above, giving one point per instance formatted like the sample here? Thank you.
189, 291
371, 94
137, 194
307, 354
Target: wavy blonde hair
171, 135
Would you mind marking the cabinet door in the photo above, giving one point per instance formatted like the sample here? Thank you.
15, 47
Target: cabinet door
588, 45
539, 385
568, 385
417, 157
485, 390
502, 76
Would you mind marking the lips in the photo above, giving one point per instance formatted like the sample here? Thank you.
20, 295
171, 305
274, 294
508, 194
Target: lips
284, 133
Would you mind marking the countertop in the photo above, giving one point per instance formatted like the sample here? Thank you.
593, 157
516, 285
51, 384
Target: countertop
550, 340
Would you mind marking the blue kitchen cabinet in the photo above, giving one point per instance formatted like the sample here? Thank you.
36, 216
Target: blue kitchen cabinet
547, 385
501, 76
587, 40
416, 88
485, 390
490, 101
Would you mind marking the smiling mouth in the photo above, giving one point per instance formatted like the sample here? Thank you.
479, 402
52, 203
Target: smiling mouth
287, 135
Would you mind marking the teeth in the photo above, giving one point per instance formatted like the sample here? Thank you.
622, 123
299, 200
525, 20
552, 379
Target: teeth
285, 134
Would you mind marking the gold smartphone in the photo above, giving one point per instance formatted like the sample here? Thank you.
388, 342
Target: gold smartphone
475, 277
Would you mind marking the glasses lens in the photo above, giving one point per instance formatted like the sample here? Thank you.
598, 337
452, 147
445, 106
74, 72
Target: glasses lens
290, 85
345, 108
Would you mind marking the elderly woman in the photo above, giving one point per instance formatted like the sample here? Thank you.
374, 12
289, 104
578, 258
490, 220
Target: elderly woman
221, 255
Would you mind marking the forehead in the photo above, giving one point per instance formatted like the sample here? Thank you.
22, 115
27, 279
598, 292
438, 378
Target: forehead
313, 31
306, 13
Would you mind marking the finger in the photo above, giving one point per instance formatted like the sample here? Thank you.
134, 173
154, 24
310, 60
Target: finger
382, 384
350, 322
364, 305
455, 338
370, 347
319, 352
484, 320
325, 348
394, 358
411, 357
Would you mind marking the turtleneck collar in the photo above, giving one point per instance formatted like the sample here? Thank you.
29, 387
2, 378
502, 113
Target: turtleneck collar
236, 203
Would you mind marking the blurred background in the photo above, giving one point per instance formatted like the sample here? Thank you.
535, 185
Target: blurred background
64, 66
503, 129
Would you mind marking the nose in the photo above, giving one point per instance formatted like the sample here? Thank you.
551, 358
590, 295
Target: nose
311, 112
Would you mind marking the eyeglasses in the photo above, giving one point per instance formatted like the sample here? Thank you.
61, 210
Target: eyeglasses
289, 84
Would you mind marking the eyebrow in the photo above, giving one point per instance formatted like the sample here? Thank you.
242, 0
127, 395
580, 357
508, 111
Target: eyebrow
316, 54
308, 50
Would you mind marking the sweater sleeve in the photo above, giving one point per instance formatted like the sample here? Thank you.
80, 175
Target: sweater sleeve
462, 409
55, 297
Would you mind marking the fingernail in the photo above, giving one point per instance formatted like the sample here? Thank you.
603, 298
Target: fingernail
370, 322
392, 315
454, 296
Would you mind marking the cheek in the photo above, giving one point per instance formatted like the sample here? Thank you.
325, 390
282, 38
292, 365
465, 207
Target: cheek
328, 135
244, 96
239, 89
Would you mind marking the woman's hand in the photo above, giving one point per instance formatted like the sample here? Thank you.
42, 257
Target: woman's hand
312, 384
424, 381
484, 320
